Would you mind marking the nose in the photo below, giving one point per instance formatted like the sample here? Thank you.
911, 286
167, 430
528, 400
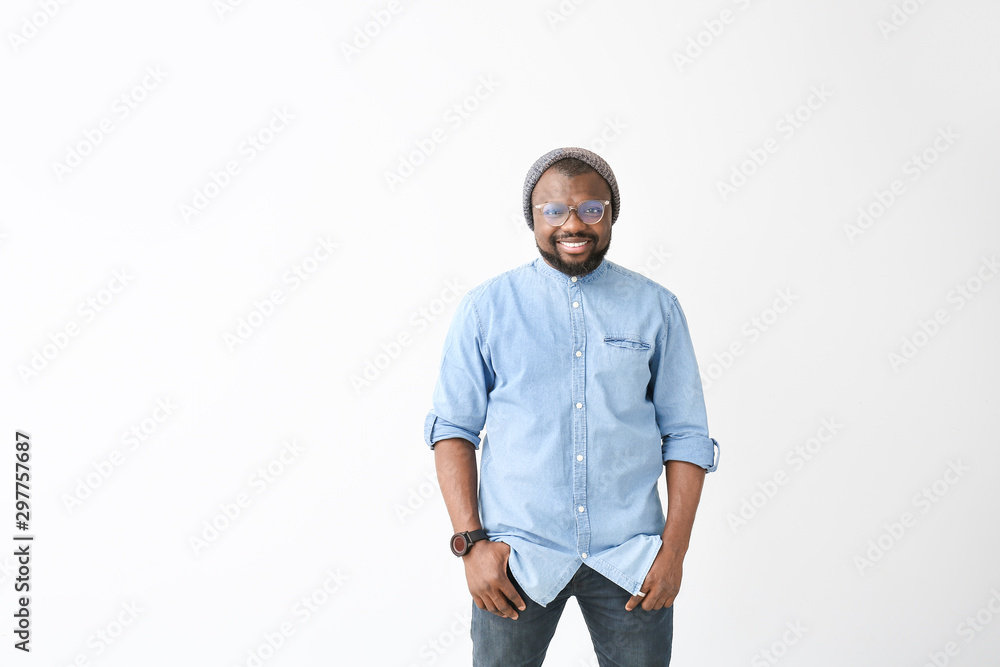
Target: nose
573, 223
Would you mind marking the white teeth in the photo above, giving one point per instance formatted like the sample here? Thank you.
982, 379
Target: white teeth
572, 245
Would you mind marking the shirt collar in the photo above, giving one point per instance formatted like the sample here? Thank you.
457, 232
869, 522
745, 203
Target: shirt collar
542, 267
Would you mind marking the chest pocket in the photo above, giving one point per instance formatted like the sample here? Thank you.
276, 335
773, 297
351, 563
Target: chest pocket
626, 341
624, 371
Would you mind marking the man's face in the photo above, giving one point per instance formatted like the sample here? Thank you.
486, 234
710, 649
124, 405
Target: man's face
559, 246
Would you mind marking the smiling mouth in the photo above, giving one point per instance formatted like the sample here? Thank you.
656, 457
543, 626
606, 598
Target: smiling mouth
573, 246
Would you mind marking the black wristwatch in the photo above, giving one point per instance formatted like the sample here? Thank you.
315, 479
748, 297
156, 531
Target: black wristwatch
462, 542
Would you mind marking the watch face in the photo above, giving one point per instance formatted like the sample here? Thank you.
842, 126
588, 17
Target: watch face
458, 544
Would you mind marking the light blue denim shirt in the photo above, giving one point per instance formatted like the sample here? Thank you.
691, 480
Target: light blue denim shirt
585, 386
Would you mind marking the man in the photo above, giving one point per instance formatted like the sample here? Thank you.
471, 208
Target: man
584, 376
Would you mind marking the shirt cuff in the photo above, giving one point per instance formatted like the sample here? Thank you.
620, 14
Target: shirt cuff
697, 449
436, 428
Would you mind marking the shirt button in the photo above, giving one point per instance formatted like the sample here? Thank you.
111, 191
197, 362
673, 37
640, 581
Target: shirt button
576, 305
573, 278
579, 353
580, 508
579, 405
583, 555
579, 457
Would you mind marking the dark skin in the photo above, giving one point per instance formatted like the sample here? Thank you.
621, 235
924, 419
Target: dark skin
486, 561
663, 581
556, 186
455, 458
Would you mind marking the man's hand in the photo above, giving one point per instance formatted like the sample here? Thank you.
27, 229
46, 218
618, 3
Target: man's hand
662, 583
486, 572
486, 561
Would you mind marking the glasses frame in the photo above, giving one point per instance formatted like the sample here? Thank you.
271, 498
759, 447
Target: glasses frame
574, 209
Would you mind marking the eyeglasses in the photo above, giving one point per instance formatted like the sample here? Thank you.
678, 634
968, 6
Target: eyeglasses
556, 213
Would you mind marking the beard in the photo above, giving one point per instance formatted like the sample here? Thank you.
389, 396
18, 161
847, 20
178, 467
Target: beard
576, 268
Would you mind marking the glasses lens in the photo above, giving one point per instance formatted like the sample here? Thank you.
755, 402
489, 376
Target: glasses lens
591, 211
555, 213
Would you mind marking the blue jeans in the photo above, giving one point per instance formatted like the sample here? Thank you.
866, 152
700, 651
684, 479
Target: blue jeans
636, 638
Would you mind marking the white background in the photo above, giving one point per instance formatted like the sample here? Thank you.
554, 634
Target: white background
357, 509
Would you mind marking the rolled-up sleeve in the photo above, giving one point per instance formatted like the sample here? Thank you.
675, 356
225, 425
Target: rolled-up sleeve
464, 381
677, 396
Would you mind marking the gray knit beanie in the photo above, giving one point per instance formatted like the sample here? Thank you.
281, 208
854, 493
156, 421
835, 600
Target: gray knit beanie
553, 156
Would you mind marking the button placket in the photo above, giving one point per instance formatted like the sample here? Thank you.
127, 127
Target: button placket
579, 374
